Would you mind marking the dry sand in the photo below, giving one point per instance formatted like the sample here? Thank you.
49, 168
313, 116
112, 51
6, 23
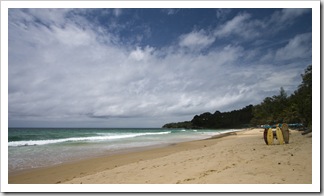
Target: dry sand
241, 158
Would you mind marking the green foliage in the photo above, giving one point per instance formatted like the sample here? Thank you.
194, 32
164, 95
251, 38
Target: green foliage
294, 109
303, 98
233, 119
185, 125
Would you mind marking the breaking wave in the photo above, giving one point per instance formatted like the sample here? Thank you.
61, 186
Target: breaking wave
78, 139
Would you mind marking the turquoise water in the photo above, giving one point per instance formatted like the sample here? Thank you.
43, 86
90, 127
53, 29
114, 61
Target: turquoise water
41, 147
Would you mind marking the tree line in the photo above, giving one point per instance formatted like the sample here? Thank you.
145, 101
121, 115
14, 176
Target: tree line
296, 108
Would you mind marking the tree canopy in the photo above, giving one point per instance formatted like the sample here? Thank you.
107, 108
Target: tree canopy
296, 108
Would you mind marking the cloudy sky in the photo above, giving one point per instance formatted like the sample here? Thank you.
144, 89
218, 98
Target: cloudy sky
148, 67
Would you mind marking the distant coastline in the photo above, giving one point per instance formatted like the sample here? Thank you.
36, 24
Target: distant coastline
226, 120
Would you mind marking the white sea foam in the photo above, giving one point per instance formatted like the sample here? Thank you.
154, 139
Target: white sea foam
77, 139
100, 142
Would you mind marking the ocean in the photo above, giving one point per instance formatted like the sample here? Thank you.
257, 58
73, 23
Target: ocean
41, 147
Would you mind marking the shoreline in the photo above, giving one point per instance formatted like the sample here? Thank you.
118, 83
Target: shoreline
169, 164
67, 153
34, 175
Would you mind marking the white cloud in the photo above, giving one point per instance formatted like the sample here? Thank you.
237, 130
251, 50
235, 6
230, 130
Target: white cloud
72, 72
298, 47
171, 11
71, 35
287, 16
243, 25
46, 16
196, 40
138, 54
234, 26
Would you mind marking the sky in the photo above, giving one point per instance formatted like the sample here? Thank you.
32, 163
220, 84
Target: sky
148, 67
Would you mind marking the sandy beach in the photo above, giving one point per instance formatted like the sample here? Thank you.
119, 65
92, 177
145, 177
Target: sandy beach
236, 158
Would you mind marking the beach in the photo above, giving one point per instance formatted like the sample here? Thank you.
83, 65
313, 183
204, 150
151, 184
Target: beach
231, 158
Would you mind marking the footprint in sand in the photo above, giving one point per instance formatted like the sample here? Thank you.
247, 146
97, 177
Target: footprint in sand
227, 167
189, 179
206, 173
